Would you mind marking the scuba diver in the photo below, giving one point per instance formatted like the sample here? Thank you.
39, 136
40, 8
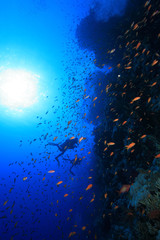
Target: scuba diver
76, 161
68, 144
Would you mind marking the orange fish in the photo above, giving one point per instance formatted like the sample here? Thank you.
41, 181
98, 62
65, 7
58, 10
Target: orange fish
113, 50
95, 99
157, 156
135, 99
115, 120
55, 138
105, 195
25, 178
124, 188
149, 7
154, 84
87, 97
147, 3
69, 122
89, 187
83, 228
155, 13
130, 145
65, 195
130, 214
59, 183
81, 139
92, 200
138, 45
149, 99
135, 27
154, 62
110, 143
143, 136
128, 67
71, 234
51, 171
126, 32
143, 50
72, 138
15, 224
5, 203
124, 122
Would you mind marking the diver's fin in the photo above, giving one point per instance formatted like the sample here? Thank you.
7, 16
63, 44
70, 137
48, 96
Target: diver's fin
58, 161
71, 171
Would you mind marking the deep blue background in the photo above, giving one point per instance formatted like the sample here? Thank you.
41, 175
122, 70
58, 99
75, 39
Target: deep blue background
40, 37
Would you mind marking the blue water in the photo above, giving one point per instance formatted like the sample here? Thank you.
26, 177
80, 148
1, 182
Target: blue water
39, 36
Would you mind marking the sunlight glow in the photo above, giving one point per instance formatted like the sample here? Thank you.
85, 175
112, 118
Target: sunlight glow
18, 88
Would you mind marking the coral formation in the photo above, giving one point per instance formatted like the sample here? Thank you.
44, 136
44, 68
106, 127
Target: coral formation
127, 142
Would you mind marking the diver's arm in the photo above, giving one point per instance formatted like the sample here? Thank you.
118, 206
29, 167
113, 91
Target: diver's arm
53, 144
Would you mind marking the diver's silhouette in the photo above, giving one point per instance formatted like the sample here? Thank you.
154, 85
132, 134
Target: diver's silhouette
74, 162
68, 144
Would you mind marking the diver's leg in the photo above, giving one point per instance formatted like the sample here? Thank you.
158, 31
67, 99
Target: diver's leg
59, 156
55, 144
71, 170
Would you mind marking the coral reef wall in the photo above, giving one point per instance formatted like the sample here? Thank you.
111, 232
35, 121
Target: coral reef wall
127, 142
